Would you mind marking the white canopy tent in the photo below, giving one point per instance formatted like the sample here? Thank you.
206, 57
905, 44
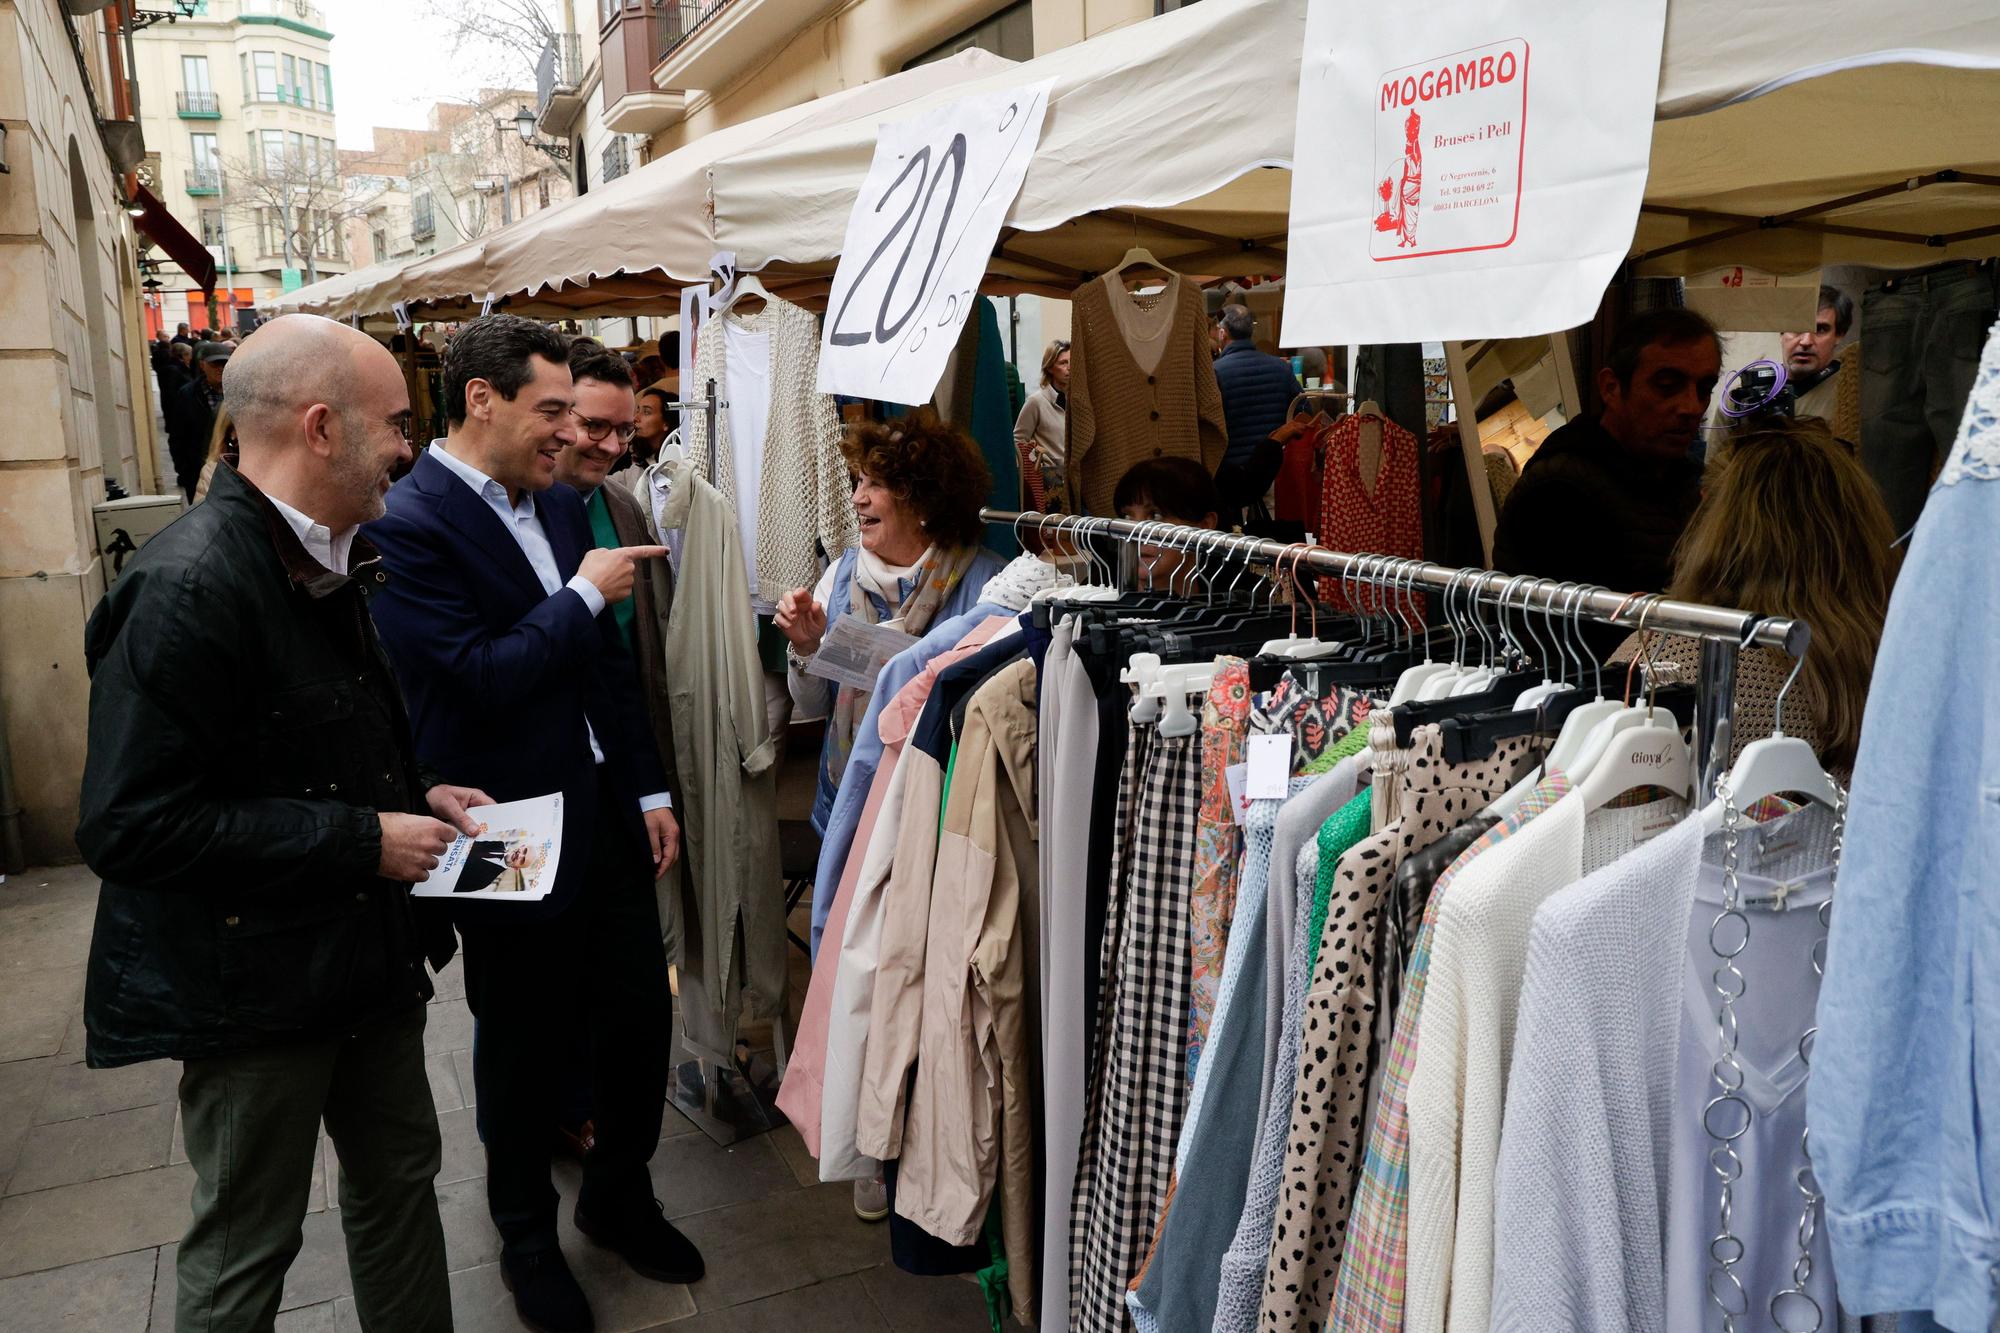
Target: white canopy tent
626, 247
1165, 134
1786, 138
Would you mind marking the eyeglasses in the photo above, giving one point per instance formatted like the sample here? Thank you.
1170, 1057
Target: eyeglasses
595, 430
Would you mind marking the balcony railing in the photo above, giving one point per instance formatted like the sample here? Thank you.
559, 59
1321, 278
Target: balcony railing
204, 180
560, 69
682, 19
198, 106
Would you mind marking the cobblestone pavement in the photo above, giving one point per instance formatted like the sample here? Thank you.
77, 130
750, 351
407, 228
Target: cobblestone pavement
94, 1187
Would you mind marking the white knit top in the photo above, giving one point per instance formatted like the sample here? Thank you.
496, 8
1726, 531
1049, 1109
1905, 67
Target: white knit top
1582, 1179
1465, 1042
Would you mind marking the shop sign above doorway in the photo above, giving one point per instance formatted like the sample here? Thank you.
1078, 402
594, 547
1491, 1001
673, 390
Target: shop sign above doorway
1468, 170
919, 238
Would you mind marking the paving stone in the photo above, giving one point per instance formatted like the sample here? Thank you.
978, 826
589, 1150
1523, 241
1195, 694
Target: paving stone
445, 1095
22, 1085
450, 983
75, 1091
464, 1154
164, 1287
620, 1300
692, 1174
911, 1304
805, 1167
843, 1303
111, 1295
319, 1271
469, 1237
38, 1008
448, 1026
321, 1318
93, 1219
759, 1249
461, 1064
93, 1148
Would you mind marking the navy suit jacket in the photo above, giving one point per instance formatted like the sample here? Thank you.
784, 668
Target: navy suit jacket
500, 676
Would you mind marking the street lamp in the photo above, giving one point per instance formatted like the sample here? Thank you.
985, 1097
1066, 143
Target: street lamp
524, 125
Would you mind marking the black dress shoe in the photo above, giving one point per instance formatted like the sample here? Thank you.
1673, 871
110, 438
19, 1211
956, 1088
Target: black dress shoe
545, 1294
644, 1238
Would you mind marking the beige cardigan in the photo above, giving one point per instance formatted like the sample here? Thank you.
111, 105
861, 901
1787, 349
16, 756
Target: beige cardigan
1120, 414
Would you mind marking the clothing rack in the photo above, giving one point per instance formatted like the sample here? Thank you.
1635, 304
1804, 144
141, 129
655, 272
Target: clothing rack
708, 407
1724, 632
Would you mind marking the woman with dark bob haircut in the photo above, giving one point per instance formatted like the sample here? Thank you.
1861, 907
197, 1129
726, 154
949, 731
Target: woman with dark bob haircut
918, 485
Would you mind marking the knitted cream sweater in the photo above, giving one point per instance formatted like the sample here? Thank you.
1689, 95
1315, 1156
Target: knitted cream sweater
1584, 1158
805, 516
1458, 1086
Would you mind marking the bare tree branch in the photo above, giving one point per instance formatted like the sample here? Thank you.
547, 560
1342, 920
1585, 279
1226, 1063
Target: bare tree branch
505, 37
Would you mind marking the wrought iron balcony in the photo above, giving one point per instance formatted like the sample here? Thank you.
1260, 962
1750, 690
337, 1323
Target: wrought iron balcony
204, 180
198, 106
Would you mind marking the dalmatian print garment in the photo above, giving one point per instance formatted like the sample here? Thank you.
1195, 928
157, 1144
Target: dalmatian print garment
1323, 1148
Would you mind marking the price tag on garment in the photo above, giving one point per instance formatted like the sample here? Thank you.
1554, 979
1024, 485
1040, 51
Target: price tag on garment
918, 241
1270, 768
853, 652
1237, 775
1492, 157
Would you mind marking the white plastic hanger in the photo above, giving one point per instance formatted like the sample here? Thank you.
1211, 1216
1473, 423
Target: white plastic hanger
1535, 695
1411, 682
1588, 730
1637, 747
1775, 765
1140, 256
747, 286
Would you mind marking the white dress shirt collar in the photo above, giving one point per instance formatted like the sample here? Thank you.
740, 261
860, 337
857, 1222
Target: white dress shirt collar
482, 485
322, 543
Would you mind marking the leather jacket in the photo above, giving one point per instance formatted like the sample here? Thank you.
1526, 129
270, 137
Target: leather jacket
245, 728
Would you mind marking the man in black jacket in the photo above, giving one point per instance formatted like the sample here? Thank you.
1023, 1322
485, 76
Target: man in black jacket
1605, 498
252, 800
193, 419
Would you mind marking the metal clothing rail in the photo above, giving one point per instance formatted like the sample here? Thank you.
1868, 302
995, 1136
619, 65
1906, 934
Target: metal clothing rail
1724, 631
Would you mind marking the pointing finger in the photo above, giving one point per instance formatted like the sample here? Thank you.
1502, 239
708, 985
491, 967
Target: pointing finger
643, 552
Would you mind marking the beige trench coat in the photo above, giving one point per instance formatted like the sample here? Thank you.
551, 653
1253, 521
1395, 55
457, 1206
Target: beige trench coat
729, 912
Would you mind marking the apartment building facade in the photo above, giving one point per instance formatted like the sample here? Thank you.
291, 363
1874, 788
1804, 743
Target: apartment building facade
237, 106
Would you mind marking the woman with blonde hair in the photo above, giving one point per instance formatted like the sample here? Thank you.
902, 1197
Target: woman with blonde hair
1789, 525
1040, 432
221, 449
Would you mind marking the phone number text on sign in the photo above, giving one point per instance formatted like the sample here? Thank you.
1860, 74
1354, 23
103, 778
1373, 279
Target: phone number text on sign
918, 240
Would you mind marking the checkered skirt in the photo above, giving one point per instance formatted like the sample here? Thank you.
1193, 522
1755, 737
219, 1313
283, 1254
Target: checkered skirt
1138, 1077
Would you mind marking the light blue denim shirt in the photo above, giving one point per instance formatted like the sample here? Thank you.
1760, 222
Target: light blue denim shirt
1905, 1090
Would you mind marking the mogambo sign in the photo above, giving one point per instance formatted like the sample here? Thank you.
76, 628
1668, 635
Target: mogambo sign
1466, 168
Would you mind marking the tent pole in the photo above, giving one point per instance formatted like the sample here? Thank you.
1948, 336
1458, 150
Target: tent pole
1468, 443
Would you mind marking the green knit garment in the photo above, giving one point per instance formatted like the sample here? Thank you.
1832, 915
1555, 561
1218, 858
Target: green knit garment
1345, 827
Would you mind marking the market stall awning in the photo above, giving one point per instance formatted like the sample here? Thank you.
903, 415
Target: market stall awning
1157, 134
180, 245
1177, 134
626, 247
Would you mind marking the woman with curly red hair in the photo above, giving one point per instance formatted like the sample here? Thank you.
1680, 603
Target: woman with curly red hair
919, 483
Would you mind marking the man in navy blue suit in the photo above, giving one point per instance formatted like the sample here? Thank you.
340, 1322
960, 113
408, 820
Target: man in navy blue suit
493, 615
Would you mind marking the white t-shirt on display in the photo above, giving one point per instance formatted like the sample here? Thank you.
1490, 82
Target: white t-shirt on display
747, 359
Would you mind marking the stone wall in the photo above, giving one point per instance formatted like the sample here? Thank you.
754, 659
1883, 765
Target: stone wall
67, 376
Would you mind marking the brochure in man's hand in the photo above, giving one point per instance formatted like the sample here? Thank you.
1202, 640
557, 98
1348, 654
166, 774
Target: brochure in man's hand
513, 859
